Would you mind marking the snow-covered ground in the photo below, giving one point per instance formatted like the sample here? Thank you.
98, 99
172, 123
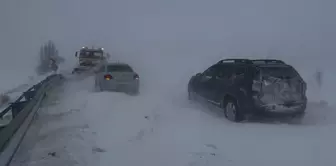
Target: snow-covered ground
77, 126
14, 85
13, 88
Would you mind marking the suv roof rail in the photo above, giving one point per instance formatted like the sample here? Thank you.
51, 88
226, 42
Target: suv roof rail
267, 61
244, 61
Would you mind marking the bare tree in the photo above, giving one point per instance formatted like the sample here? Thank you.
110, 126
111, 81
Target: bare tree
49, 58
4, 99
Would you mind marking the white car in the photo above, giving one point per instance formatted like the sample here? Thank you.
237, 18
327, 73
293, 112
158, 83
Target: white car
116, 77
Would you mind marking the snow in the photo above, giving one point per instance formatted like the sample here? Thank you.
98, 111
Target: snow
167, 42
161, 127
13, 88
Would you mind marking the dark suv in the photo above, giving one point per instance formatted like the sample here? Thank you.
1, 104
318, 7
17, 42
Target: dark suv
251, 87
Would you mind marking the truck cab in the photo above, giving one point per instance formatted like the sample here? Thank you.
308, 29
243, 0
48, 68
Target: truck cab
89, 58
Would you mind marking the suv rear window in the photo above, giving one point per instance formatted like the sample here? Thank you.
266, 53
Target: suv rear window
119, 68
279, 72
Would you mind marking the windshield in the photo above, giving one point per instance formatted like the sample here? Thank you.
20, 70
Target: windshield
91, 54
119, 68
279, 72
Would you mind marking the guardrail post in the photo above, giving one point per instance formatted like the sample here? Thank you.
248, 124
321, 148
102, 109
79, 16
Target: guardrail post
29, 94
17, 107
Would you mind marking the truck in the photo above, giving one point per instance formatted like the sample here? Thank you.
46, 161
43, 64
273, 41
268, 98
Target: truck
89, 59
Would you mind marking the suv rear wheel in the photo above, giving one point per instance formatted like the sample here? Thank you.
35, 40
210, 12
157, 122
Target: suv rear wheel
232, 111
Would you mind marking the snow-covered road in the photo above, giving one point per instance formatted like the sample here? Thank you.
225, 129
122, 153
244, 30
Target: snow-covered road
160, 127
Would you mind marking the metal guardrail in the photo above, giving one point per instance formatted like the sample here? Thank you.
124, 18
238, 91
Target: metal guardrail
23, 111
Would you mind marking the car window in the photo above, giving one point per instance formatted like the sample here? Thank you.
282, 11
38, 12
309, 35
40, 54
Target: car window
224, 71
279, 72
87, 63
211, 71
91, 54
239, 70
238, 73
119, 68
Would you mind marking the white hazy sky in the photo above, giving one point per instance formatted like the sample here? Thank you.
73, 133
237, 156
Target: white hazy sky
158, 28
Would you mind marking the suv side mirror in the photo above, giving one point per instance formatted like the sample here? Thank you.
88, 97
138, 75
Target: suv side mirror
76, 54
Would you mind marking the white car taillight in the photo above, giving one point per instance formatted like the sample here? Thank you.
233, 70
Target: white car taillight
108, 77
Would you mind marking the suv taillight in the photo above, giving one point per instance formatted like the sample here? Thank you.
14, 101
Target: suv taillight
108, 77
304, 88
136, 76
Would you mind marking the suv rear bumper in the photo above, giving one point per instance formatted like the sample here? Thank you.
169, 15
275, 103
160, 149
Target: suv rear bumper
278, 110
